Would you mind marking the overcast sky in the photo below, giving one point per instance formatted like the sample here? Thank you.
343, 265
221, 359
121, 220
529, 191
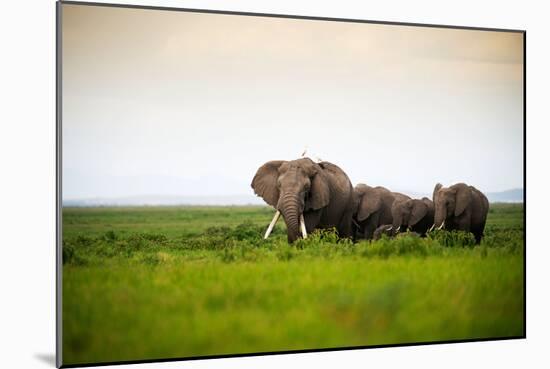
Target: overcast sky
188, 104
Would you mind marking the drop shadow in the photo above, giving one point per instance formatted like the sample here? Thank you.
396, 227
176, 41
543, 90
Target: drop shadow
46, 358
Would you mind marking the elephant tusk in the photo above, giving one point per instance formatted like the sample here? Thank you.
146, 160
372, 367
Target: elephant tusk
272, 224
441, 226
303, 226
431, 228
389, 229
398, 228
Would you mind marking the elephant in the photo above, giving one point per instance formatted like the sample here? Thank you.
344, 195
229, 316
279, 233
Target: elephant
386, 229
309, 195
389, 231
460, 207
416, 215
373, 209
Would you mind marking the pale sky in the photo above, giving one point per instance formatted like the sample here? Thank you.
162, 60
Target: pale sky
188, 104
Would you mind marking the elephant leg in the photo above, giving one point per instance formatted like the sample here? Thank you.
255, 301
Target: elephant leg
346, 229
422, 227
478, 236
357, 229
312, 220
464, 223
478, 233
372, 224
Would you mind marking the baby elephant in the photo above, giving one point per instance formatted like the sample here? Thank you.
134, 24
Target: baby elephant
414, 215
386, 229
389, 231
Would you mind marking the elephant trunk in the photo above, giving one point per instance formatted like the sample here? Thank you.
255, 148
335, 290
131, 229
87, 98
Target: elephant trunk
292, 213
397, 222
439, 218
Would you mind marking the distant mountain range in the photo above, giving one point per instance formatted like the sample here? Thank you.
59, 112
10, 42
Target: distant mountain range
514, 195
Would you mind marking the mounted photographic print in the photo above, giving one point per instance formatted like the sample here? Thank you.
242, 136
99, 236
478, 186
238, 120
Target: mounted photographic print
242, 184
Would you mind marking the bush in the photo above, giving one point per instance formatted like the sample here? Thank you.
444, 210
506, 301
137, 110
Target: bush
402, 245
453, 238
154, 237
244, 242
217, 231
71, 255
67, 253
110, 236
83, 240
286, 252
246, 231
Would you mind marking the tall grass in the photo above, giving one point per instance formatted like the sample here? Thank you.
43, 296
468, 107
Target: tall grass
146, 283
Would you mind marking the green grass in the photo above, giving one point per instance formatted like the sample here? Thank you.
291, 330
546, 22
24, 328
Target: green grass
162, 282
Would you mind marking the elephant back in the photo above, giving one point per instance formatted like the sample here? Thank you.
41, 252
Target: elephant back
483, 202
400, 196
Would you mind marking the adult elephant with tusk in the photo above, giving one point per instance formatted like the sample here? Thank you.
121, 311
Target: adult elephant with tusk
416, 215
308, 195
460, 207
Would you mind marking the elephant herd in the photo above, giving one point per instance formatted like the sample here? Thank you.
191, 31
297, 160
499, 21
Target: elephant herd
311, 195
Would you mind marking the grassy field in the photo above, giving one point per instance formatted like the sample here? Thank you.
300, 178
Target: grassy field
163, 282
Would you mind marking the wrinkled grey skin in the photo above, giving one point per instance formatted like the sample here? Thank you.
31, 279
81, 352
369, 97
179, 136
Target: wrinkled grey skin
461, 207
414, 215
322, 192
373, 209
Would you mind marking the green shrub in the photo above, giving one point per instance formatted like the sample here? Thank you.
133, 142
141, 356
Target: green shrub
217, 231
286, 252
453, 238
83, 240
154, 237
243, 242
71, 255
403, 244
67, 253
246, 231
134, 243
110, 236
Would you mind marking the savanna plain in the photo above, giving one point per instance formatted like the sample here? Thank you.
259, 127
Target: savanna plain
142, 283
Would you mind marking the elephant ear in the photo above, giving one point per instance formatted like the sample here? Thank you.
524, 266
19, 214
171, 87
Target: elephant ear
436, 190
429, 203
319, 192
370, 202
419, 211
396, 214
463, 199
265, 182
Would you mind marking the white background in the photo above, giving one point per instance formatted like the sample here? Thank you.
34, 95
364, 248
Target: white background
27, 185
